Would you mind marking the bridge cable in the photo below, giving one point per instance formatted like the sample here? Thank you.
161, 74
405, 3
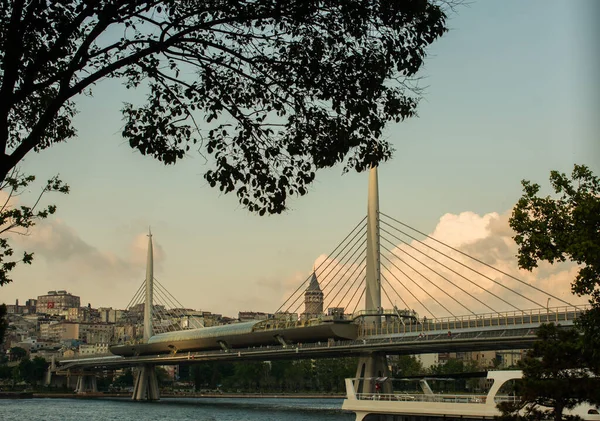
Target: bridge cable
414, 282
340, 261
176, 307
362, 249
163, 314
386, 294
329, 260
318, 267
140, 296
356, 290
166, 314
424, 277
394, 289
136, 294
477, 260
359, 298
462, 264
433, 283
158, 309
169, 293
341, 265
356, 278
440, 275
455, 272
168, 296
409, 291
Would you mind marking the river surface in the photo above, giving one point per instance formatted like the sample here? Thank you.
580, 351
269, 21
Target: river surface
203, 409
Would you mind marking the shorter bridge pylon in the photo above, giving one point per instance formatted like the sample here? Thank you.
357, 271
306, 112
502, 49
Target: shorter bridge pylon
86, 383
145, 387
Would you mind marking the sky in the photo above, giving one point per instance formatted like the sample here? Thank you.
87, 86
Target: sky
511, 94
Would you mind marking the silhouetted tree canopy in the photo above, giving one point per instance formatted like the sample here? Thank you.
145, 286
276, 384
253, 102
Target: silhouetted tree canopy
271, 90
566, 227
3, 322
18, 218
555, 378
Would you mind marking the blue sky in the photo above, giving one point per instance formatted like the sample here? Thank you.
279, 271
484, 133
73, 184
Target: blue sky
512, 93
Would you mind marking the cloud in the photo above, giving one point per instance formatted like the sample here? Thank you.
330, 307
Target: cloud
58, 243
411, 279
64, 260
439, 281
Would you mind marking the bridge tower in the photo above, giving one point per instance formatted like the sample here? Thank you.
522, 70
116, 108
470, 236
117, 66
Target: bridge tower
373, 270
148, 305
373, 365
146, 384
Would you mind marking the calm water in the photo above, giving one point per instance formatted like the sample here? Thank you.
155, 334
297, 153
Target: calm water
221, 409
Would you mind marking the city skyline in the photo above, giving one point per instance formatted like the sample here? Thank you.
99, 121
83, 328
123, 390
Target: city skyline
507, 99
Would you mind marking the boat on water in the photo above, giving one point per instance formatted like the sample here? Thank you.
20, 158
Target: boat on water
434, 406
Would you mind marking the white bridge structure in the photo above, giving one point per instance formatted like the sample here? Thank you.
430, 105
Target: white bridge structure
415, 269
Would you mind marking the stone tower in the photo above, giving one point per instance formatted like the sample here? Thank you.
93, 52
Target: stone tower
313, 297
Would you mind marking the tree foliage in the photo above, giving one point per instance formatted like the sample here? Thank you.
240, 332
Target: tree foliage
566, 227
555, 377
32, 371
17, 353
3, 322
17, 218
323, 375
555, 229
272, 90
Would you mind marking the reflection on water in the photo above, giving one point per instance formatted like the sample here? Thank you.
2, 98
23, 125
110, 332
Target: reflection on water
206, 409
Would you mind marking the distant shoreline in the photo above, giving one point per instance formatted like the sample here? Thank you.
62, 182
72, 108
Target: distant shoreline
193, 396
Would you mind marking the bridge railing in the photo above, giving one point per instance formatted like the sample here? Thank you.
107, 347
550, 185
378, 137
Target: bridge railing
389, 326
420, 397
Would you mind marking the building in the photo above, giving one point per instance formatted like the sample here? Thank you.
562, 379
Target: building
91, 349
313, 298
55, 302
247, 316
108, 315
28, 308
88, 333
427, 360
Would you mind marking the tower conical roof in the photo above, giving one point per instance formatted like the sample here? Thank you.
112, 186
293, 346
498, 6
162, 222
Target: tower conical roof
314, 283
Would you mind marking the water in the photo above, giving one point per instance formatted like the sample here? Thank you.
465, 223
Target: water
188, 409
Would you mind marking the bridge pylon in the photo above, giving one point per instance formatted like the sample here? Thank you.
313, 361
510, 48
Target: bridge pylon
86, 383
373, 269
146, 384
149, 302
145, 387
373, 365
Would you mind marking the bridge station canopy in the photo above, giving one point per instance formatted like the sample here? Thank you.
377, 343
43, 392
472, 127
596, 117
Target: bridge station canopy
205, 332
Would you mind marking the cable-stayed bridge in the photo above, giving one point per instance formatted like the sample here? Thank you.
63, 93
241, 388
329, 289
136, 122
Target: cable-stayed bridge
420, 295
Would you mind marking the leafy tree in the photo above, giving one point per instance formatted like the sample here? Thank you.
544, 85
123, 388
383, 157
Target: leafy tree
125, 379
18, 218
272, 90
555, 229
210, 374
553, 377
565, 227
406, 365
162, 376
6, 372
17, 353
32, 371
3, 322
330, 373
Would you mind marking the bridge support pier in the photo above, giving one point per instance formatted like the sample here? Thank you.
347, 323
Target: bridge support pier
145, 386
370, 367
86, 383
